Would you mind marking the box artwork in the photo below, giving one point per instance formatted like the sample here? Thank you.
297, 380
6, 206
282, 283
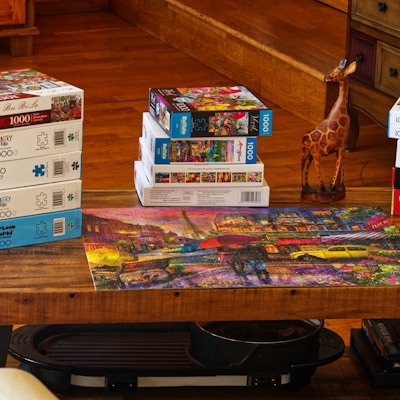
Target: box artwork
201, 174
210, 111
29, 97
165, 150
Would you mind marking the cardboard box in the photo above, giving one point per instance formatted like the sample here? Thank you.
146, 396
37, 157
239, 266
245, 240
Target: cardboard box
30, 97
201, 174
40, 140
396, 178
395, 209
394, 121
199, 197
41, 228
210, 112
40, 170
165, 150
40, 199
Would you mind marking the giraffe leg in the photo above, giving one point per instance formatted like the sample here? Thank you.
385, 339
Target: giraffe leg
340, 182
337, 181
317, 166
306, 161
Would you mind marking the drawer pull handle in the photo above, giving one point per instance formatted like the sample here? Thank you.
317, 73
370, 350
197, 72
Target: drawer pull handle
393, 72
382, 6
360, 58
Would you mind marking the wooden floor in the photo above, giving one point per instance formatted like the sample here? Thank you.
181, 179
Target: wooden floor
263, 47
115, 63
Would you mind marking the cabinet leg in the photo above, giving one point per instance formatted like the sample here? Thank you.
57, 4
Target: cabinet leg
5, 336
353, 131
21, 45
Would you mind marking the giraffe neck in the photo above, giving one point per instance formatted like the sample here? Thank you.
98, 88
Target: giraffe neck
340, 105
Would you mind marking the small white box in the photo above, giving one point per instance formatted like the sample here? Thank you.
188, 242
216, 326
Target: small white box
199, 197
40, 170
394, 121
397, 162
40, 199
40, 140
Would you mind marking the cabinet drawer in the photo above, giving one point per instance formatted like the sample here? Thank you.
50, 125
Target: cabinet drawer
383, 15
363, 50
388, 69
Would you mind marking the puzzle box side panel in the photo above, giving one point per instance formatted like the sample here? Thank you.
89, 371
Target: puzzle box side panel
200, 174
43, 228
165, 150
40, 199
199, 197
43, 140
40, 170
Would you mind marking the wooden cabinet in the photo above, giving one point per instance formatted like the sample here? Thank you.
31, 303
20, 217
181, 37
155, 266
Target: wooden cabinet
341, 5
17, 23
374, 42
12, 12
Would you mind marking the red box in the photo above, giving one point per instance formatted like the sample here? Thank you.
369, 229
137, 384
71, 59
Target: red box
396, 178
395, 202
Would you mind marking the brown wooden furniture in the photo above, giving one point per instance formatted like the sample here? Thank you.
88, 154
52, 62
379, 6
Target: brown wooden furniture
341, 5
52, 7
17, 23
374, 42
51, 283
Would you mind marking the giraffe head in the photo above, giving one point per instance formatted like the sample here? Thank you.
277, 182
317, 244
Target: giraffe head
341, 71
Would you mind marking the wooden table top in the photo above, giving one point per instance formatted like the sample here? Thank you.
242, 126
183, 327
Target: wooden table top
51, 283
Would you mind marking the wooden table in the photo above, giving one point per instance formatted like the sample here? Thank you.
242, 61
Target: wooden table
51, 284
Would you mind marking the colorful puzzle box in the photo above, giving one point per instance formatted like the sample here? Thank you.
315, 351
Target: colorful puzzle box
210, 111
201, 174
42, 228
165, 150
29, 97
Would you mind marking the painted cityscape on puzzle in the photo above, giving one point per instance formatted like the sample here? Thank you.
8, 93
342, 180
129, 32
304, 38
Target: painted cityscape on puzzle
168, 247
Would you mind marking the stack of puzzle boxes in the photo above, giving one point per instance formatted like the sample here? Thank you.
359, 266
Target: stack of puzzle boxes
394, 133
199, 148
41, 127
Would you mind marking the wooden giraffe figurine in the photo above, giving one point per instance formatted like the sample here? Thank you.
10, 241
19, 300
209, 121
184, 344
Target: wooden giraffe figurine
328, 137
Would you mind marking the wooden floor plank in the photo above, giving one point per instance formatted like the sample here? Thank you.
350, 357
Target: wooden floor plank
267, 48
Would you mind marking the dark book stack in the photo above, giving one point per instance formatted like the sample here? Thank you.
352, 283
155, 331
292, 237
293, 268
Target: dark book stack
377, 343
41, 128
199, 148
